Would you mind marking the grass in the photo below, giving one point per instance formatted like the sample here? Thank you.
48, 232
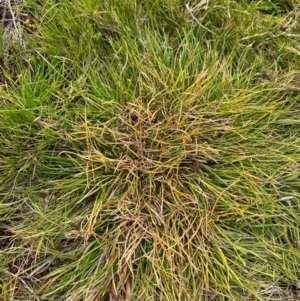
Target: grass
150, 151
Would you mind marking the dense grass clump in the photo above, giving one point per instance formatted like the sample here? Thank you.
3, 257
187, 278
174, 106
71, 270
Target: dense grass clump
150, 151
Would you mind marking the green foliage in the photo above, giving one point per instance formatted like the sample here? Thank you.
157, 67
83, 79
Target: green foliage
150, 151
274, 6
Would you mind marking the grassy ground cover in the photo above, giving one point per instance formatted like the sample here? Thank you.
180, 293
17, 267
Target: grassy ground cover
150, 150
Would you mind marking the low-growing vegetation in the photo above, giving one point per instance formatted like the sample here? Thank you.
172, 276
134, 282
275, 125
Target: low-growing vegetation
150, 150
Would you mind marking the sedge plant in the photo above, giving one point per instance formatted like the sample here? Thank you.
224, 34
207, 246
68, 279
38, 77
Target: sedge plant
150, 151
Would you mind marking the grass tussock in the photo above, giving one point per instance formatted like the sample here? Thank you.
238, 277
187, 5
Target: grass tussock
150, 151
